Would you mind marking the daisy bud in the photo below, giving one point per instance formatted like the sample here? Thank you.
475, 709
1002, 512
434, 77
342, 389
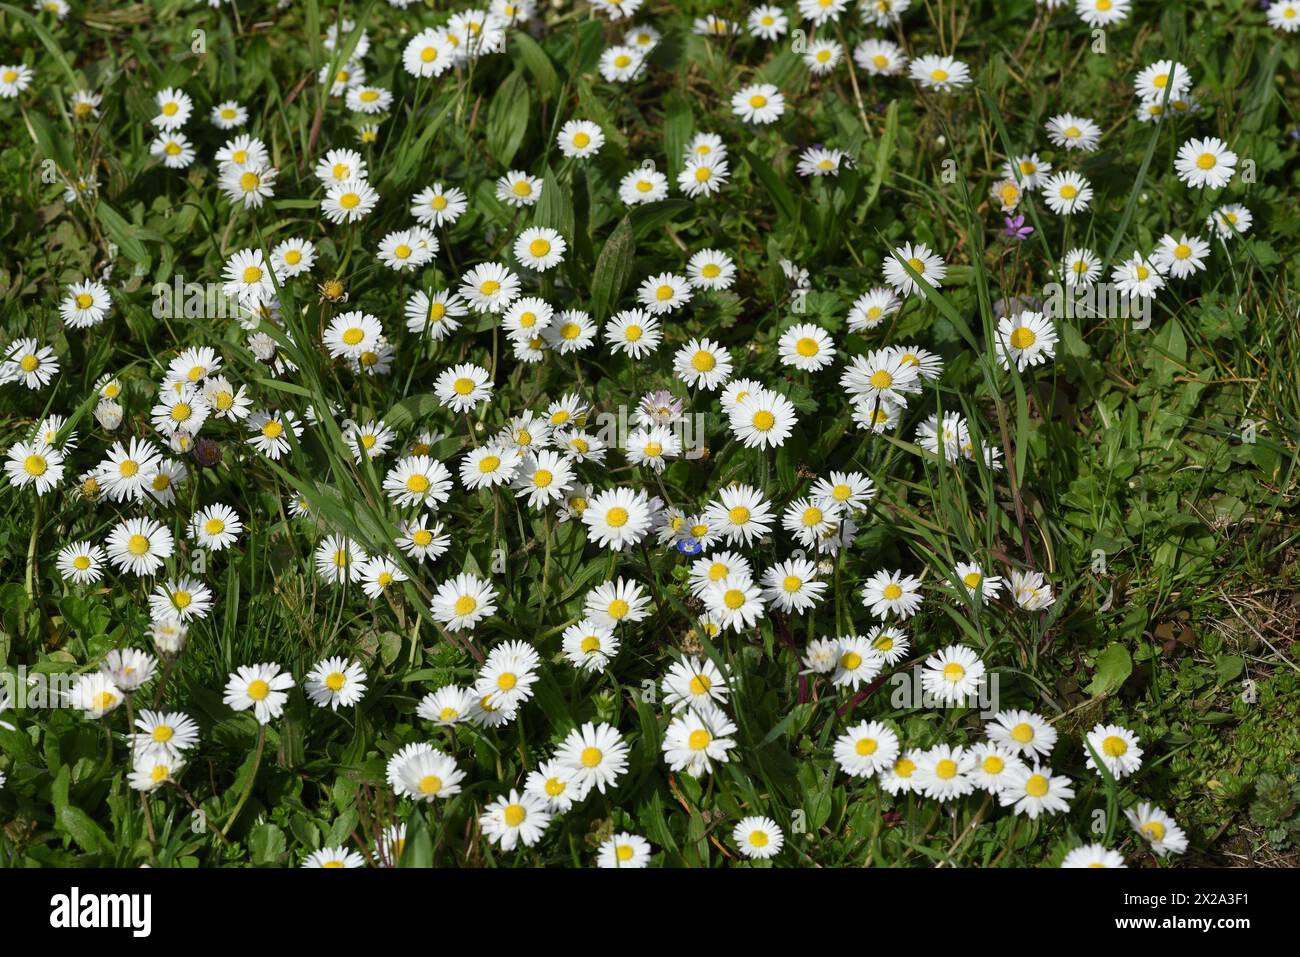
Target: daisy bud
109, 415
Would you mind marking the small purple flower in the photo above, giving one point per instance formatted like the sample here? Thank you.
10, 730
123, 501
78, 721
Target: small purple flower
689, 546
1016, 228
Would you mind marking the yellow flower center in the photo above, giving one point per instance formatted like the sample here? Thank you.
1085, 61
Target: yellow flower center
465, 605
1023, 338
258, 689
1036, 786
137, 545
953, 672
1114, 746
616, 516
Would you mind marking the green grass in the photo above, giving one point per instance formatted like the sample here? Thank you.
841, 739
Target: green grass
1170, 541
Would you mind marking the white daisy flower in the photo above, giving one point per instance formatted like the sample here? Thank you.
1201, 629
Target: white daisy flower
758, 837
954, 674
261, 688
462, 602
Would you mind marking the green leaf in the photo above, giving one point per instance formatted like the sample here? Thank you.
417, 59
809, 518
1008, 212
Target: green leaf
418, 850
507, 119
648, 218
1114, 665
267, 844
613, 269
554, 208
53, 145
1228, 668
538, 64
89, 836
787, 209
122, 233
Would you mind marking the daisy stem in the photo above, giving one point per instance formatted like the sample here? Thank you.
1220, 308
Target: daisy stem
546, 568
929, 826
853, 79
108, 748
144, 798
1011, 842
248, 785
31, 549
162, 683
974, 823
874, 848
650, 569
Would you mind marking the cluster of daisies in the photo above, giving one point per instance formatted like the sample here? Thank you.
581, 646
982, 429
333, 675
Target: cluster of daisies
549, 457
1009, 766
